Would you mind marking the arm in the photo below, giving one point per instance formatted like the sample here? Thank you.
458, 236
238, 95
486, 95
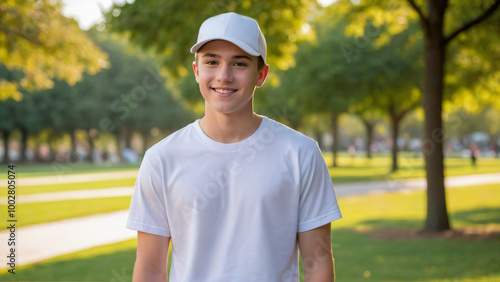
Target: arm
316, 251
152, 256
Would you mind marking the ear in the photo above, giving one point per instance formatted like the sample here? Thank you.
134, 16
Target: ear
261, 77
196, 72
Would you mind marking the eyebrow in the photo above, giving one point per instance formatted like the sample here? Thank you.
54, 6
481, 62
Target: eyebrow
211, 55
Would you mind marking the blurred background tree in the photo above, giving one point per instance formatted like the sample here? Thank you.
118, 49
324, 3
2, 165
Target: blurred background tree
36, 39
441, 23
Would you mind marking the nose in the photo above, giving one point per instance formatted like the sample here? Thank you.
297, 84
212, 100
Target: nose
224, 73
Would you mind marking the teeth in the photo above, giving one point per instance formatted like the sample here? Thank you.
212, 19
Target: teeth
223, 91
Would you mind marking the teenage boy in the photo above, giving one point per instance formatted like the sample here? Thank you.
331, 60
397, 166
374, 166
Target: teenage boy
238, 194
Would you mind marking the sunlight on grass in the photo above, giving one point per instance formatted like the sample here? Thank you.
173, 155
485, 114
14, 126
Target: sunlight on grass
27, 190
407, 210
378, 167
59, 168
33, 213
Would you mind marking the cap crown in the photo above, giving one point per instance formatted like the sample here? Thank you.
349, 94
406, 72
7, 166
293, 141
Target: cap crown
240, 30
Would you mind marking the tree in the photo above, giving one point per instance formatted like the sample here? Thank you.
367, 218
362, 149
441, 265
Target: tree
170, 27
369, 116
130, 96
38, 40
441, 24
435, 58
393, 71
322, 81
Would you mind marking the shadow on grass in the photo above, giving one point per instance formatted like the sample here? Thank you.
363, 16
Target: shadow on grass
392, 224
478, 216
358, 257
114, 267
469, 217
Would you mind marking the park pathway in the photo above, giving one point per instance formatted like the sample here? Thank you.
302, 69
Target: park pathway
42, 241
404, 185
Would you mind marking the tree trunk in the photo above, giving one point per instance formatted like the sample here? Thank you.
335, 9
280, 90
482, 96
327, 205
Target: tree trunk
5, 136
119, 146
90, 141
369, 137
335, 145
395, 134
24, 142
128, 136
52, 151
434, 54
73, 155
145, 141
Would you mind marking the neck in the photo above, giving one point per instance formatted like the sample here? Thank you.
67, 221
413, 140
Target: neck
230, 128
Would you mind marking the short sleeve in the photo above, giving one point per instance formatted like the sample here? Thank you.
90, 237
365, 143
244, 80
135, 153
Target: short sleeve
147, 211
318, 203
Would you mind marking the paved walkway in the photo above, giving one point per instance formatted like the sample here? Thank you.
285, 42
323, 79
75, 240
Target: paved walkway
43, 241
385, 186
46, 240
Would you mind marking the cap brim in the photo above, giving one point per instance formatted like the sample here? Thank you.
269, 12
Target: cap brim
243, 46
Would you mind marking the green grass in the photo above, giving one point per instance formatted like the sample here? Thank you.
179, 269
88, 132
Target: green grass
358, 257
36, 189
468, 206
105, 263
378, 168
59, 168
33, 213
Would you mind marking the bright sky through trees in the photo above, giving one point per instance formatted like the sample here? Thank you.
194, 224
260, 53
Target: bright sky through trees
88, 13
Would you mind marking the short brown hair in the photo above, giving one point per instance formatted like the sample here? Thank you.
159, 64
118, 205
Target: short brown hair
260, 61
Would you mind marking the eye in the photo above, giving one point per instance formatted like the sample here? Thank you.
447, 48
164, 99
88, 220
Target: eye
240, 64
211, 63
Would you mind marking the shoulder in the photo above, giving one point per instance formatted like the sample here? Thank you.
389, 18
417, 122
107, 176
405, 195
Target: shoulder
290, 137
175, 142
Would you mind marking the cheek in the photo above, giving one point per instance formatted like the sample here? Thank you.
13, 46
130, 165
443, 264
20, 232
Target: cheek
248, 80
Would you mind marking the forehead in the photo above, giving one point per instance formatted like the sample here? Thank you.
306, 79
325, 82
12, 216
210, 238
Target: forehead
224, 48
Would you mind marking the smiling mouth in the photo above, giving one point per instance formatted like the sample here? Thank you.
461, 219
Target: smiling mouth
224, 91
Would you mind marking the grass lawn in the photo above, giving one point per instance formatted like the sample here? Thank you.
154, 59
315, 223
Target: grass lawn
33, 213
358, 256
58, 168
27, 190
378, 168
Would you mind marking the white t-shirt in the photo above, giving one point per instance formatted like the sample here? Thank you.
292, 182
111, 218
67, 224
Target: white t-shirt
233, 210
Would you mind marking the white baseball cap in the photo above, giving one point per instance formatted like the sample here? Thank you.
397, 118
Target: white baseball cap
242, 31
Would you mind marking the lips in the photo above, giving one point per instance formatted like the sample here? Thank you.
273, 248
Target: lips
224, 92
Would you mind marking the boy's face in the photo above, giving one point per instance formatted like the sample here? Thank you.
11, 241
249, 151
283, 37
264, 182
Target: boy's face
227, 77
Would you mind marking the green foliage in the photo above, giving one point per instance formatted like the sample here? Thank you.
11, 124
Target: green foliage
38, 40
170, 28
130, 93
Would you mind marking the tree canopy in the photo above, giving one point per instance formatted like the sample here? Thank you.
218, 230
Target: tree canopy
170, 28
38, 40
